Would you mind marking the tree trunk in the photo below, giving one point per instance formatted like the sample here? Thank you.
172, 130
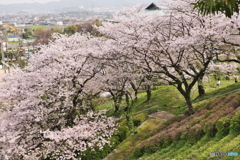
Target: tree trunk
128, 112
116, 105
201, 90
149, 93
91, 105
189, 104
136, 95
72, 111
72, 116
135, 90
117, 102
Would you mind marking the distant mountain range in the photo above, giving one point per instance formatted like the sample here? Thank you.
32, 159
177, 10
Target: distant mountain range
64, 5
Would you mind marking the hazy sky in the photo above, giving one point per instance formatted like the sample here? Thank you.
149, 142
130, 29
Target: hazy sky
24, 1
45, 1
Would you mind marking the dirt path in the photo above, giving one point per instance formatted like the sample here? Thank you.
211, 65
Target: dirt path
161, 115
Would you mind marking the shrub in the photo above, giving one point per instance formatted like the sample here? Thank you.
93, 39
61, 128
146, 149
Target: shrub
166, 141
22, 63
114, 141
129, 122
151, 148
223, 126
138, 152
235, 125
210, 129
195, 133
139, 118
123, 132
184, 135
98, 153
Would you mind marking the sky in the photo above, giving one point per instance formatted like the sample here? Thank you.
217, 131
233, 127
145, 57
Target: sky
45, 1
24, 1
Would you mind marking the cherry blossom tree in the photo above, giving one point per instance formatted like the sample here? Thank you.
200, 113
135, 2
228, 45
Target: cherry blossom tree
171, 44
115, 79
46, 115
231, 52
219, 68
121, 76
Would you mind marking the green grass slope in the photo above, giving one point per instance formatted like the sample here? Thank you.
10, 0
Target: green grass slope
162, 99
215, 127
126, 148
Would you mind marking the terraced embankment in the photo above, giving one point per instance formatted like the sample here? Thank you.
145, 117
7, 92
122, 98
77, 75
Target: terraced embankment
215, 127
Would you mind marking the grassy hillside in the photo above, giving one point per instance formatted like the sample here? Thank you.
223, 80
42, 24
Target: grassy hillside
167, 98
125, 149
215, 127
159, 101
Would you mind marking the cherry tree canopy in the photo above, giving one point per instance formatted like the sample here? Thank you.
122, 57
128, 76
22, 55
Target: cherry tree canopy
171, 44
46, 114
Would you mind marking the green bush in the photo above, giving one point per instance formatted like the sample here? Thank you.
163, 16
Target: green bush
166, 141
151, 148
235, 123
184, 135
138, 152
210, 129
123, 132
139, 118
235, 126
129, 122
21, 63
223, 126
195, 133
114, 141
97, 154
